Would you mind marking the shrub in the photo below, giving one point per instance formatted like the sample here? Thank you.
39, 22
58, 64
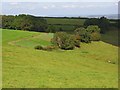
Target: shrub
77, 37
93, 28
80, 31
39, 47
95, 36
63, 40
49, 48
84, 36
46, 48
77, 43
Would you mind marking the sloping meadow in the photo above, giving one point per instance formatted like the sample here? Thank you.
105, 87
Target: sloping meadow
92, 65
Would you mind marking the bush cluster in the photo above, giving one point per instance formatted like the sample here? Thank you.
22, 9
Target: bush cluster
83, 34
95, 36
63, 40
67, 41
91, 33
46, 48
102, 22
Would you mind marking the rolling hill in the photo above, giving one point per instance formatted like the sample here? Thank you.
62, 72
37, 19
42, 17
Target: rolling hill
94, 65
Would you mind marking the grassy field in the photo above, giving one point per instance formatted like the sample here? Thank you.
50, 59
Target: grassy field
111, 37
87, 67
65, 21
65, 24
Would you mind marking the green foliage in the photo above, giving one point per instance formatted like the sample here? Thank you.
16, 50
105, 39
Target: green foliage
95, 36
91, 21
91, 33
102, 22
77, 43
51, 29
24, 22
49, 48
93, 28
46, 48
39, 47
84, 35
77, 37
7, 21
63, 40
94, 32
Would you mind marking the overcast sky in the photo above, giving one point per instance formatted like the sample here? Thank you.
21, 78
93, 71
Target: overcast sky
59, 0
59, 8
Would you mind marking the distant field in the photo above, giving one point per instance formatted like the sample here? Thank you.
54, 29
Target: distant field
111, 37
66, 28
65, 24
65, 21
87, 67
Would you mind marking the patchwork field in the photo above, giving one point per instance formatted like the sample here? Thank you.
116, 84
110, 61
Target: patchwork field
111, 37
94, 65
64, 21
66, 24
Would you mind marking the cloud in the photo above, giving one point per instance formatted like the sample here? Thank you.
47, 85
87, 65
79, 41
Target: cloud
14, 3
87, 5
45, 7
69, 6
50, 6
60, 0
61, 8
53, 6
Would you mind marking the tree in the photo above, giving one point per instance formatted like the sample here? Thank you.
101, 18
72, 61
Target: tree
94, 31
7, 22
103, 23
24, 22
51, 29
83, 35
63, 40
93, 28
91, 21
95, 36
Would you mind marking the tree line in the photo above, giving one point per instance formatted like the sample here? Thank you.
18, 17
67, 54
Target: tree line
24, 22
39, 24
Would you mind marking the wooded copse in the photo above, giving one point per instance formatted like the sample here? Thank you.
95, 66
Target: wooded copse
24, 22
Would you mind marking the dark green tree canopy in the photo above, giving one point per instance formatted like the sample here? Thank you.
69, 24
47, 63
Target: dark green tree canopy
24, 22
103, 23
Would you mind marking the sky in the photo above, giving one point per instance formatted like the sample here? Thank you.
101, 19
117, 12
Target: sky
59, 0
59, 7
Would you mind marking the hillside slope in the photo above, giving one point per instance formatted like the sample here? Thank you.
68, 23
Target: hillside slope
25, 67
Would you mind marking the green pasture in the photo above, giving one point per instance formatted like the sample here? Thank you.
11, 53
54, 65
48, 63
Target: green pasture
94, 65
65, 21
